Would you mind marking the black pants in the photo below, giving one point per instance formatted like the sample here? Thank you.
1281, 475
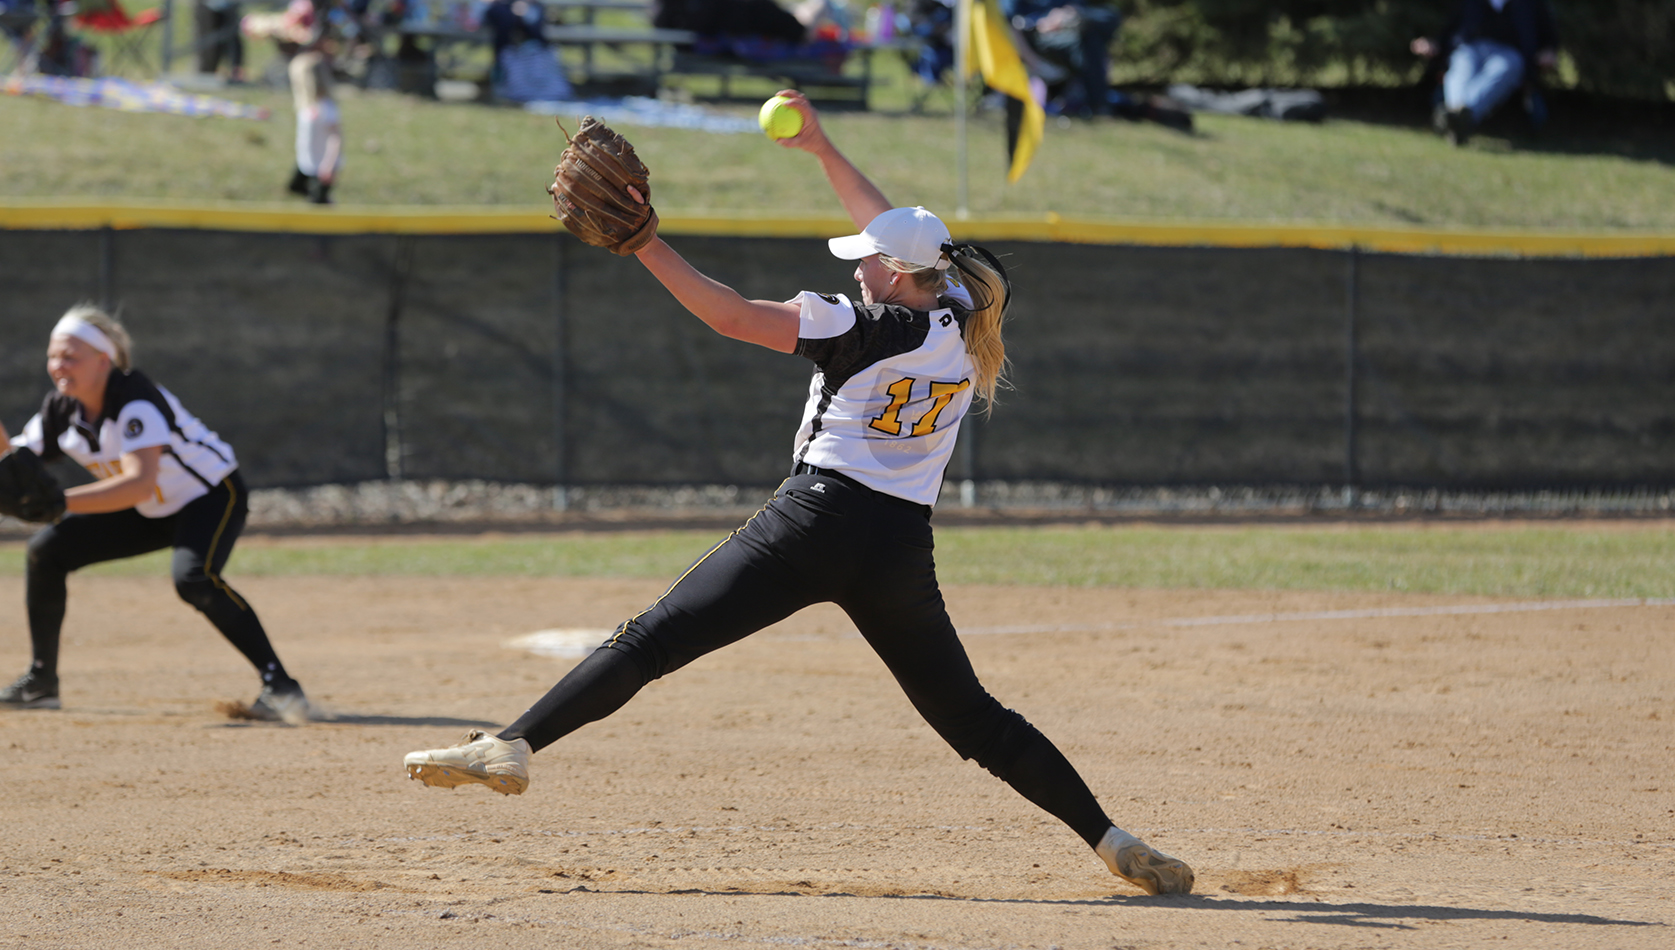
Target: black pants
310, 187
202, 535
824, 538
218, 37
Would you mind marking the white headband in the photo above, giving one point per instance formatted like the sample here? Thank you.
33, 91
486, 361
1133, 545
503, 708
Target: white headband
79, 328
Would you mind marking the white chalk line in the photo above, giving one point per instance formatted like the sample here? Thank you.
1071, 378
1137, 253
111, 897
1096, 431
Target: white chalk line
564, 643
1293, 617
576, 643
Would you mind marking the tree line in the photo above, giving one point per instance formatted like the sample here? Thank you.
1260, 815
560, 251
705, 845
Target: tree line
1613, 47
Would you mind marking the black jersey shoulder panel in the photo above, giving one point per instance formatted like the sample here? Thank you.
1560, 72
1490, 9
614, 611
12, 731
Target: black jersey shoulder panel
58, 411
881, 331
961, 314
129, 386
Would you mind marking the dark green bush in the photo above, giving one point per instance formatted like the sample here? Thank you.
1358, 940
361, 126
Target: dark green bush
1623, 47
1618, 47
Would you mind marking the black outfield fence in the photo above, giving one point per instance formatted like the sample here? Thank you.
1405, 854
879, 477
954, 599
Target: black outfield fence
526, 357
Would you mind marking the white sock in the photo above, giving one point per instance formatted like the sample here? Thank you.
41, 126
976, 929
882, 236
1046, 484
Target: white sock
1115, 840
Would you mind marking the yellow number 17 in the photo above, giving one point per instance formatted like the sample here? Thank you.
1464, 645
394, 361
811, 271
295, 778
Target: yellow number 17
900, 391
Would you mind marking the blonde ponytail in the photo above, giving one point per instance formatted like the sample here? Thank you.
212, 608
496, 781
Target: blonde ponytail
981, 274
991, 294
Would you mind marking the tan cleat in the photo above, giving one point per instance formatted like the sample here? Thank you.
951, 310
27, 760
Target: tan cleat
480, 758
1143, 866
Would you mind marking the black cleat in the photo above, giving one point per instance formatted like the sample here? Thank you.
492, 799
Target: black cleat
32, 690
1461, 125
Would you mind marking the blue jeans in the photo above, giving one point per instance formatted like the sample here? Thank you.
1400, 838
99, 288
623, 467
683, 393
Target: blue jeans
1481, 75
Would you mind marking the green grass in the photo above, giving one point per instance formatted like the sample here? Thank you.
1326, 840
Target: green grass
1494, 561
404, 151
1523, 562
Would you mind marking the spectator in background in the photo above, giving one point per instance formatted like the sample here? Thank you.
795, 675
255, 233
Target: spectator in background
1075, 34
526, 69
933, 24
823, 19
218, 37
319, 128
932, 21
1491, 46
53, 49
17, 25
511, 22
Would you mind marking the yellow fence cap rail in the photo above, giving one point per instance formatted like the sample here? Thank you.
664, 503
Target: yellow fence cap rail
1387, 239
74, 215
263, 217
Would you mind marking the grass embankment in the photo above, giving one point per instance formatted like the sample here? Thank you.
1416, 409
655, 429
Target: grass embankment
1509, 561
405, 151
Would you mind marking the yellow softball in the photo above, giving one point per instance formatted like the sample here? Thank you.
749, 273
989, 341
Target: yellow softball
779, 119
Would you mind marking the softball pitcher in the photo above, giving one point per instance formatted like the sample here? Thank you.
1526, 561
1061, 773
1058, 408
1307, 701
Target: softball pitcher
164, 480
894, 374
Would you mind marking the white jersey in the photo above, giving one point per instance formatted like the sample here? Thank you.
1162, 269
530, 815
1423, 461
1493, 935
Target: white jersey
137, 415
315, 124
890, 388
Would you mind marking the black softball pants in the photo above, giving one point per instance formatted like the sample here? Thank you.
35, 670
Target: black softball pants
826, 538
202, 535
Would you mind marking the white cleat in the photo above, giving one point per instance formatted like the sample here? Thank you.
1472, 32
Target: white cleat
285, 703
478, 758
1143, 866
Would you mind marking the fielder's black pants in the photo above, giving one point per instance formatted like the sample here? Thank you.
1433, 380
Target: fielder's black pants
310, 187
202, 535
825, 538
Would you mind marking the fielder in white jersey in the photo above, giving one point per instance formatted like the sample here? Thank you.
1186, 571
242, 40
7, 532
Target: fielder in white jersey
162, 479
193, 459
894, 373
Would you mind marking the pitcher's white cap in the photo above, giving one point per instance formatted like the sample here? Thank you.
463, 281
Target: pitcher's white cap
913, 235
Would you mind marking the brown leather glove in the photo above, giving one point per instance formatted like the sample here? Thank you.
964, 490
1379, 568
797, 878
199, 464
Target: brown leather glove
591, 190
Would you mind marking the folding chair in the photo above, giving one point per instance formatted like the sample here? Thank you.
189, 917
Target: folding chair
126, 34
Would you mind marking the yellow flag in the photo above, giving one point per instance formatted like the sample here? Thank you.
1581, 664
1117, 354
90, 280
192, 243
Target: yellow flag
993, 53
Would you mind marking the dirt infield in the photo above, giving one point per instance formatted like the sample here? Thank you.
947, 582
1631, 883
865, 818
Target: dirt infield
1439, 780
